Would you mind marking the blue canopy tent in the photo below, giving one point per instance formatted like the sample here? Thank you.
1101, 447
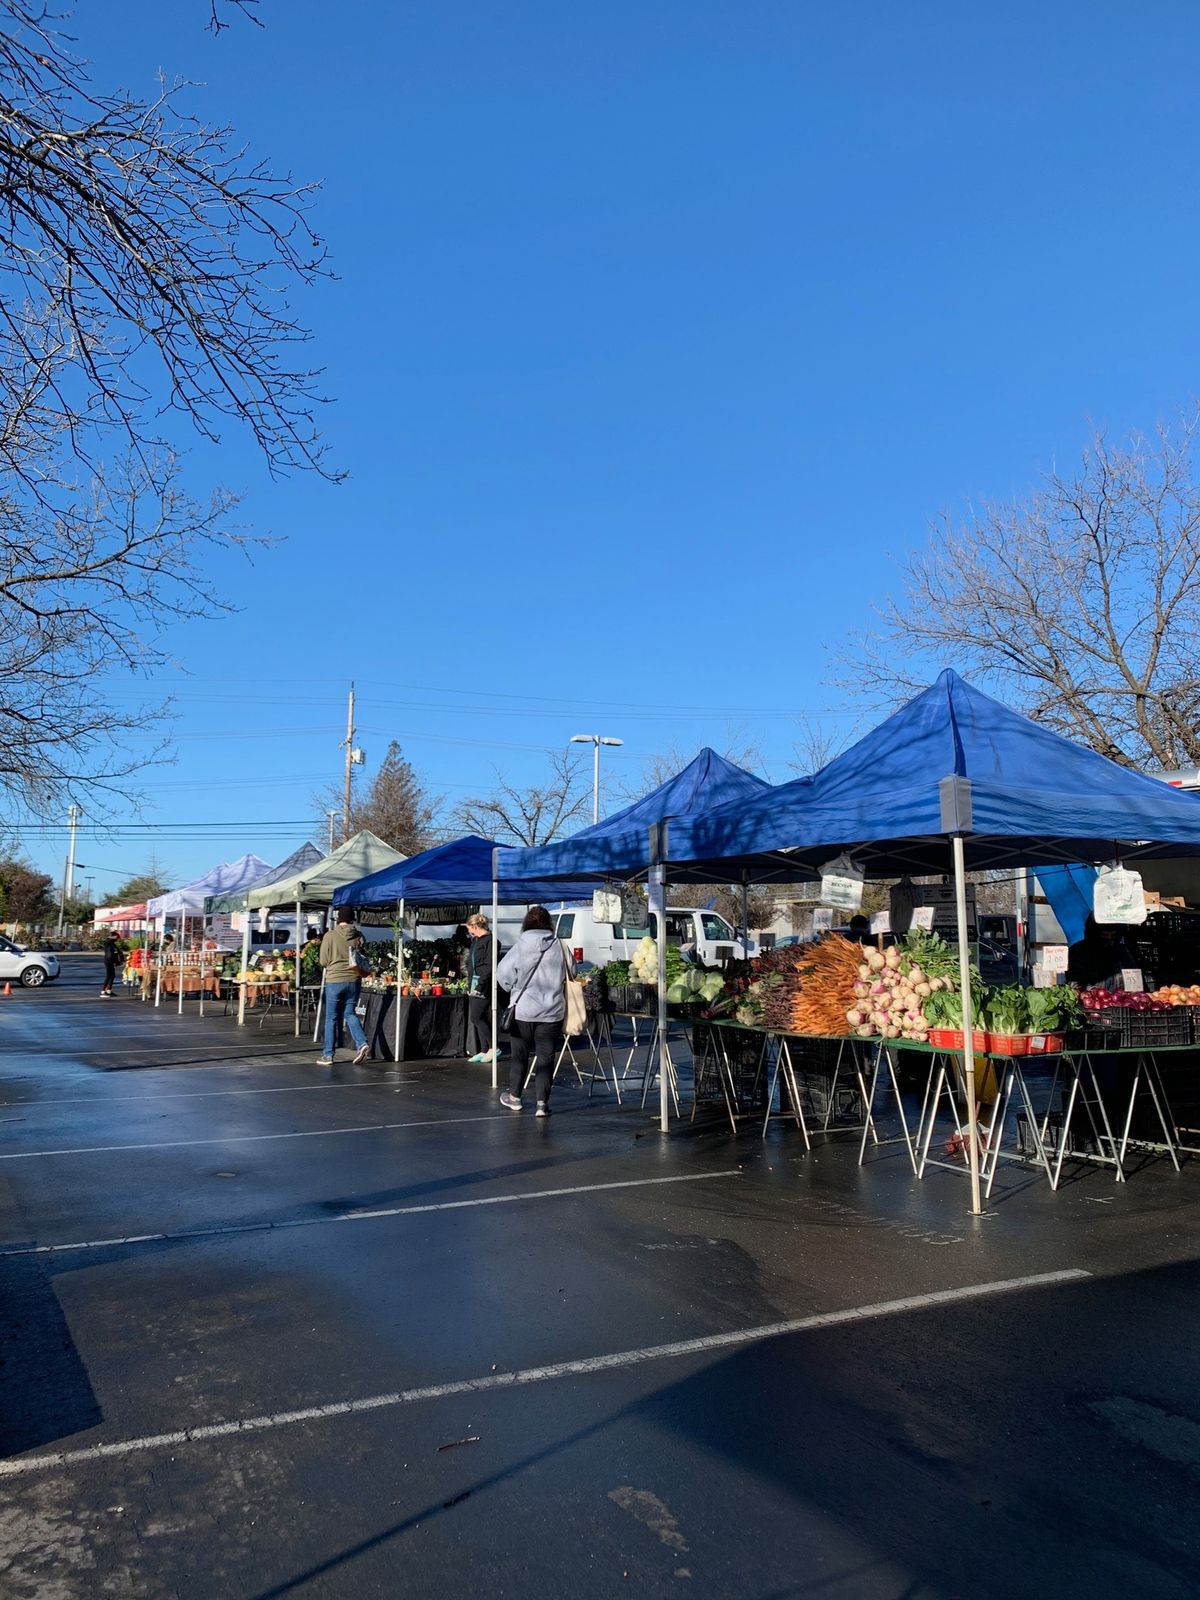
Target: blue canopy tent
621, 847
954, 778
449, 873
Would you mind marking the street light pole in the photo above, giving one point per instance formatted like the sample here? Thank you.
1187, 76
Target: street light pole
595, 740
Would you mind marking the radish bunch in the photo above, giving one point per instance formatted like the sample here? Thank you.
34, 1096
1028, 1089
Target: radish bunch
889, 996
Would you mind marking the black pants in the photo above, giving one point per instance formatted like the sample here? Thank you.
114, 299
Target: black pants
479, 1023
110, 973
545, 1040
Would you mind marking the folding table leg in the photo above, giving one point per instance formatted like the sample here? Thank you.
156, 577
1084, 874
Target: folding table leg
869, 1104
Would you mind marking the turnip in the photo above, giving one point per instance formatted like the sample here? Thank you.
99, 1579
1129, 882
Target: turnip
891, 1033
865, 1031
864, 971
924, 989
876, 960
854, 1018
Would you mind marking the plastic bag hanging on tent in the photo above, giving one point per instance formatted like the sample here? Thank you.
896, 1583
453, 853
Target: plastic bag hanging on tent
635, 913
1117, 896
264, 918
842, 884
606, 905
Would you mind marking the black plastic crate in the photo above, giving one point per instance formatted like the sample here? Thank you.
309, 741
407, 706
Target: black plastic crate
1096, 1037
1148, 1030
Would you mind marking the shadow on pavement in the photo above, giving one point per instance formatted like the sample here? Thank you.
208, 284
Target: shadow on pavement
45, 1393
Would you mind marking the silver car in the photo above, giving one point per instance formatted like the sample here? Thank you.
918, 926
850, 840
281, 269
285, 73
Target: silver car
29, 967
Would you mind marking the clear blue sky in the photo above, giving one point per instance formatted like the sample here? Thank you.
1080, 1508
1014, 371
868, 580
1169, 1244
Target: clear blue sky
662, 330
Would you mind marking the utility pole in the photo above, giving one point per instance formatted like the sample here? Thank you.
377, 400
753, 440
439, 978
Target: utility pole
332, 815
73, 815
354, 758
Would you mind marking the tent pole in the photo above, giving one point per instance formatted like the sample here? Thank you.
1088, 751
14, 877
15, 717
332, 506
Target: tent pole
495, 963
182, 948
964, 958
158, 964
658, 907
746, 913
400, 959
296, 972
245, 964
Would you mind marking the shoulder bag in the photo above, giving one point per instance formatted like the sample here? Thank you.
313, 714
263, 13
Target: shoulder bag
575, 1017
509, 1015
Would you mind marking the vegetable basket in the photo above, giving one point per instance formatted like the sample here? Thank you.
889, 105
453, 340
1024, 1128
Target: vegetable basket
1147, 1029
1008, 1044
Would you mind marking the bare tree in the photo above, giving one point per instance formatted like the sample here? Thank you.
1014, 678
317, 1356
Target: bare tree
535, 815
815, 746
145, 260
397, 808
1081, 602
91, 589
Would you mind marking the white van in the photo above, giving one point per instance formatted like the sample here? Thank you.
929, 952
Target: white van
705, 934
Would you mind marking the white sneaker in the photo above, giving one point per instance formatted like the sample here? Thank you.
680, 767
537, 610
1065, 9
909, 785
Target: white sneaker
510, 1102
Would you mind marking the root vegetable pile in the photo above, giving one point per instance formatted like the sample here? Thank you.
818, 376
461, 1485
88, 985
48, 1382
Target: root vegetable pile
806, 988
890, 990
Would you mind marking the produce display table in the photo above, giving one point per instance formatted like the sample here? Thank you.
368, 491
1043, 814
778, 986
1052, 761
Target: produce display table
431, 1026
1049, 1133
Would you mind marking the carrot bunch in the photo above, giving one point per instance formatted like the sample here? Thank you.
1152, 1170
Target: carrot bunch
807, 988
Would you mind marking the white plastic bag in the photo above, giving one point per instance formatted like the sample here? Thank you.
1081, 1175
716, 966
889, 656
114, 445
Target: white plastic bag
842, 884
1118, 896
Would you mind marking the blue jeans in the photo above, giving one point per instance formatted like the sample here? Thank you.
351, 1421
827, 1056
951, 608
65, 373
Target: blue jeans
340, 1001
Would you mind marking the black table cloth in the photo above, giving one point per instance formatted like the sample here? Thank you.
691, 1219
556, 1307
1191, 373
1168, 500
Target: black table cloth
430, 1027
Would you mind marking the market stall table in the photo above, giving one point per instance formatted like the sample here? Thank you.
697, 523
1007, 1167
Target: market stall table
431, 1026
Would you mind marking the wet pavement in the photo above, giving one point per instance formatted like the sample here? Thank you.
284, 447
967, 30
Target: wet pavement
273, 1329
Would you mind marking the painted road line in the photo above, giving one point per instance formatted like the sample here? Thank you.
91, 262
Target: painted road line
253, 1138
384, 1081
358, 1216
560, 1369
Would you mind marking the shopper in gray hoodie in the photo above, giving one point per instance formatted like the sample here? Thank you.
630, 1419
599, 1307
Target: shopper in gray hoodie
534, 972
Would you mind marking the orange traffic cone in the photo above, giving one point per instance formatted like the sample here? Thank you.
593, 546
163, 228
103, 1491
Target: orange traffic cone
7, 990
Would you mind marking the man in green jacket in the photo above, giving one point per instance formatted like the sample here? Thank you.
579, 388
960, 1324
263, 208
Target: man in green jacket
341, 953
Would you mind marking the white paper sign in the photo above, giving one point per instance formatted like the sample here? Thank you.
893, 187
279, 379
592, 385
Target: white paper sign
881, 922
1118, 896
1131, 980
822, 919
1043, 978
1053, 957
842, 884
922, 916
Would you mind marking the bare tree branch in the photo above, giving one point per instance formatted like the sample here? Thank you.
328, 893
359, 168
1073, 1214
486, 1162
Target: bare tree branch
1081, 602
530, 816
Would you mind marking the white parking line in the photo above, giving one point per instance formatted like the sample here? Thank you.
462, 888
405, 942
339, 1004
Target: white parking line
252, 1138
559, 1369
360, 1216
384, 1080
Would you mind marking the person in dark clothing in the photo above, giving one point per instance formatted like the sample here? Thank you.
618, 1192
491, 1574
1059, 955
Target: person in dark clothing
112, 960
477, 968
860, 929
1100, 955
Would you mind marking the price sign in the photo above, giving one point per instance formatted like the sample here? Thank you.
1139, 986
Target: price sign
1043, 978
922, 916
1131, 980
842, 884
822, 919
1053, 957
881, 922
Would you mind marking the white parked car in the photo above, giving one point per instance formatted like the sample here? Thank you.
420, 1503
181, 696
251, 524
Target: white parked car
705, 935
30, 967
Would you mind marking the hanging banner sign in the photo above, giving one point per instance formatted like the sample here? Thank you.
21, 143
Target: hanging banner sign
842, 884
1118, 896
923, 916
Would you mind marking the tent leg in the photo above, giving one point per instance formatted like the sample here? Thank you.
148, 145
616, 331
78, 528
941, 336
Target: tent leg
158, 977
746, 915
400, 959
658, 907
495, 963
964, 958
182, 948
296, 972
245, 967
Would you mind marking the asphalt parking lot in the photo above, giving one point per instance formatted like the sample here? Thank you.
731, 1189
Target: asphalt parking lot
272, 1329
